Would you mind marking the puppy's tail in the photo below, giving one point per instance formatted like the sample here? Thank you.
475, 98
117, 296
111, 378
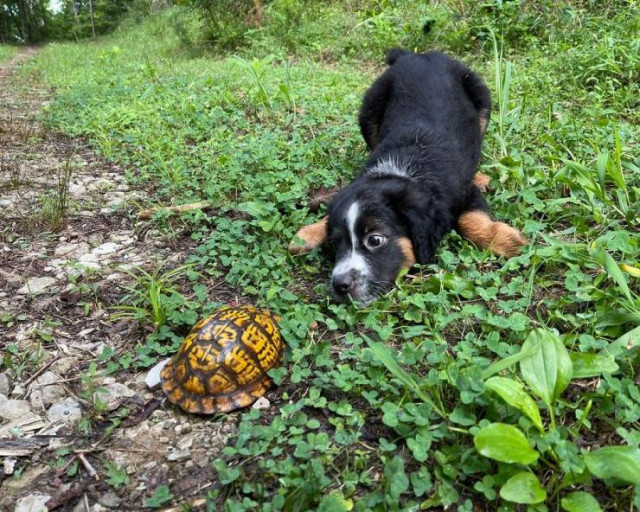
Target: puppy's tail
394, 54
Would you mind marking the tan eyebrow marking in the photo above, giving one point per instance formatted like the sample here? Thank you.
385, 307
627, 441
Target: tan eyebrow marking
407, 249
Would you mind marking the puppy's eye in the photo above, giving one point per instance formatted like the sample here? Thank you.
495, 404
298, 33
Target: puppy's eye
375, 241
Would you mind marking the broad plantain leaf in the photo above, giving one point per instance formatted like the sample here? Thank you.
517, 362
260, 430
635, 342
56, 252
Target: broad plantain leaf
548, 371
617, 462
624, 344
513, 393
580, 501
592, 365
523, 487
504, 443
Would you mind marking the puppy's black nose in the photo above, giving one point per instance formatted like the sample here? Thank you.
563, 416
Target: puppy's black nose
343, 283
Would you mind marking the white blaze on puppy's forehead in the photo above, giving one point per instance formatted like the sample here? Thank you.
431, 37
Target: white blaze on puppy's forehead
353, 260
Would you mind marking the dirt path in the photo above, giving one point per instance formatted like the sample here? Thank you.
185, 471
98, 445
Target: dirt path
71, 437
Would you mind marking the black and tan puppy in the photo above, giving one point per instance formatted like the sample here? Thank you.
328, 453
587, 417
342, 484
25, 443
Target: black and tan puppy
424, 120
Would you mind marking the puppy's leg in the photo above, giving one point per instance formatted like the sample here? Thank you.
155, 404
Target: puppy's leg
482, 182
476, 225
311, 236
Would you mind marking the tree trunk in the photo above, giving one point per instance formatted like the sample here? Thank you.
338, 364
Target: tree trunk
93, 28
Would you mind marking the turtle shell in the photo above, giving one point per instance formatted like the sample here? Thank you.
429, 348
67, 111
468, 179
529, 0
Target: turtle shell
222, 364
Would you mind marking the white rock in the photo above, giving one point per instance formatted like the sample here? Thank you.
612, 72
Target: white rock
18, 390
9, 465
185, 442
152, 380
5, 383
71, 250
111, 395
11, 409
68, 412
110, 500
100, 184
36, 285
32, 503
45, 391
261, 403
64, 364
106, 248
177, 455
88, 257
76, 189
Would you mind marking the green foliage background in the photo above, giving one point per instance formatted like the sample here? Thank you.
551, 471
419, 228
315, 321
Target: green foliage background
378, 408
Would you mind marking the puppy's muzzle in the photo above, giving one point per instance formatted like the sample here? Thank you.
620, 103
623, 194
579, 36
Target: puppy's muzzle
346, 284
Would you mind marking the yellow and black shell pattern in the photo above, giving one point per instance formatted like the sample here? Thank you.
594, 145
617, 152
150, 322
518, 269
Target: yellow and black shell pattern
222, 364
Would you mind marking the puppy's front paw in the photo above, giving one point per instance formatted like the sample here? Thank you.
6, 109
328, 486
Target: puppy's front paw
482, 181
507, 241
309, 238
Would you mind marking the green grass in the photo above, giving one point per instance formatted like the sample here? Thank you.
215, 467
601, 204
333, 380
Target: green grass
395, 406
7, 52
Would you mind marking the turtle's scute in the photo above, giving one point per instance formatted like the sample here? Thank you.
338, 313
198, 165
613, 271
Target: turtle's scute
222, 364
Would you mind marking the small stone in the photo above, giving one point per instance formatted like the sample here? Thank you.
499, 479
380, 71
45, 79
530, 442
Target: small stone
110, 500
106, 248
152, 380
11, 409
261, 403
178, 455
32, 503
112, 395
70, 250
63, 365
100, 184
68, 412
185, 442
9, 465
76, 189
5, 383
183, 428
114, 277
18, 390
36, 286
45, 391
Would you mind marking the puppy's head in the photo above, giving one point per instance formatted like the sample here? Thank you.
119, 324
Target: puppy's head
377, 226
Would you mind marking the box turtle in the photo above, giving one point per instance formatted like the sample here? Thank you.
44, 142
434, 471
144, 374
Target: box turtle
222, 364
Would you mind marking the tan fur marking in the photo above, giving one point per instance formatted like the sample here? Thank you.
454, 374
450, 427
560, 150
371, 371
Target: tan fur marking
482, 181
407, 249
501, 239
484, 120
312, 235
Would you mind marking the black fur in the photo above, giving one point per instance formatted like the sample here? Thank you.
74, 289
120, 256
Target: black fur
424, 116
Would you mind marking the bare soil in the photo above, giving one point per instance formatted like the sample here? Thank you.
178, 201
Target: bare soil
57, 289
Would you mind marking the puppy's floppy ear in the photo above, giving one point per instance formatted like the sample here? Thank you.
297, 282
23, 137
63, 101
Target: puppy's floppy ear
311, 237
426, 217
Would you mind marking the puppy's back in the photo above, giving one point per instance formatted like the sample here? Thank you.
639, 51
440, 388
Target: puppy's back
434, 90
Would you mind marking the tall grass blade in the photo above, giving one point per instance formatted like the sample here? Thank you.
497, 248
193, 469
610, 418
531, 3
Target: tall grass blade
386, 358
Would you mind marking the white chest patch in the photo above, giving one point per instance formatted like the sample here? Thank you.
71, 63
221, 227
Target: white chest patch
353, 260
390, 167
